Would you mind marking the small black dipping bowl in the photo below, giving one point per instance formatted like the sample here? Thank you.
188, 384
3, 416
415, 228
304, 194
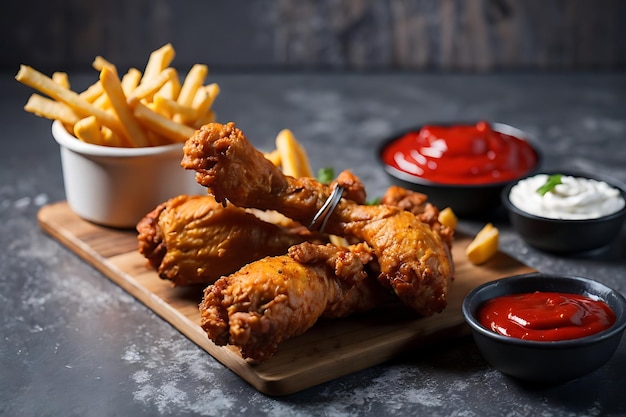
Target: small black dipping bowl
541, 361
466, 200
566, 236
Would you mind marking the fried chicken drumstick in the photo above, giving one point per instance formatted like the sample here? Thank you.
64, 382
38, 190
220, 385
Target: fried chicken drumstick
276, 298
194, 239
414, 260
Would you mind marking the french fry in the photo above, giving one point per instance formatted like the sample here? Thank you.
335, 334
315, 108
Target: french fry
99, 63
198, 114
447, 218
208, 117
147, 89
130, 81
92, 92
273, 157
156, 138
50, 109
132, 130
159, 60
88, 130
176, 132
202, 102
170, 89
110, 138
159, 105
35, 79
213, 90
484, 245
173, 107
61, 79
103, 102
193, 81
294, 159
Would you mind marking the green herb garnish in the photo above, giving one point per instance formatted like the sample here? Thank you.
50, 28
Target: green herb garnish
553, 181
373, 202
325, 175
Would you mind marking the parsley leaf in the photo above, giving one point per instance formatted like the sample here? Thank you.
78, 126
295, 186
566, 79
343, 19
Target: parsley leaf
325, 175
553, 181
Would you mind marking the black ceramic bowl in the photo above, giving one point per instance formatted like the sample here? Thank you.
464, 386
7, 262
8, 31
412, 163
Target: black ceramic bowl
566, 236
541, 361
466, 200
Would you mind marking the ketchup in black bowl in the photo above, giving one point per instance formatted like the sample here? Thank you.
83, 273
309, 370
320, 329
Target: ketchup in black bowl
461, 154
545, 328
546, 315
459, 165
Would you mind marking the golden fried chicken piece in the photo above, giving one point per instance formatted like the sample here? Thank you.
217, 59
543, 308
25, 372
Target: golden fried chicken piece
414, 260
276, 298
194, 239
418, 204
358, 296
226, 163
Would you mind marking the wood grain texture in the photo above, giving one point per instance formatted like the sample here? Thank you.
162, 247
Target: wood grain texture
472, 35
331, 349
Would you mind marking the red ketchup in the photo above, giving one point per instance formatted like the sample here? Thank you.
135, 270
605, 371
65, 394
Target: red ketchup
461, 154
546, 316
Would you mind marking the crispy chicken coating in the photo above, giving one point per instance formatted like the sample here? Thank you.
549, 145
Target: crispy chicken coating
418, 204
358, 295
276, 298
195, 239
415, 262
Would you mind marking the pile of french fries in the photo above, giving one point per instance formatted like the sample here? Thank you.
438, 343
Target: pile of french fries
138, 109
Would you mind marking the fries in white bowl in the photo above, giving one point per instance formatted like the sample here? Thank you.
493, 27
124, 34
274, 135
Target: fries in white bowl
135, 110
121, 139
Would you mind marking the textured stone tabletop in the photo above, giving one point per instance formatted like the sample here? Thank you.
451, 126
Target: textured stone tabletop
75, 344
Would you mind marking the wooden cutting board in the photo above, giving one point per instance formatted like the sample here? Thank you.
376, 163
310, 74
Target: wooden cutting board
331, 349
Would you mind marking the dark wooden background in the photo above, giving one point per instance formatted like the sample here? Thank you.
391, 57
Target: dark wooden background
363, 35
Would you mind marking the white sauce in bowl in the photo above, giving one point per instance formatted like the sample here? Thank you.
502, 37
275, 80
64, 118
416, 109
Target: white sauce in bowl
575, 199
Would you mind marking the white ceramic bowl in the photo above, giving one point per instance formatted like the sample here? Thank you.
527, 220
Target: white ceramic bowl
116, 187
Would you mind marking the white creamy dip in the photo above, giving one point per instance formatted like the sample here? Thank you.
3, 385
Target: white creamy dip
574, 199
